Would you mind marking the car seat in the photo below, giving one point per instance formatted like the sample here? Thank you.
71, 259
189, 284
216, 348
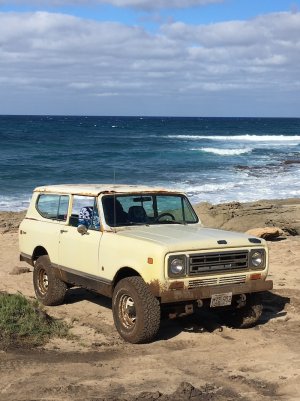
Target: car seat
137, 214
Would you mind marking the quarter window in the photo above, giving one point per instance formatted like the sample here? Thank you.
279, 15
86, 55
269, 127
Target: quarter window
53, 207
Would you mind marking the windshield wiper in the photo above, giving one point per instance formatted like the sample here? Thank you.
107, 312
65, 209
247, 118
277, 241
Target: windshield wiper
170, 222
132, 223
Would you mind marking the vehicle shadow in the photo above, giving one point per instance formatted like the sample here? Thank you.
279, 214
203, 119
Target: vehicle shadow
199, 322
78, 294
203, 320
208, 320
274, 305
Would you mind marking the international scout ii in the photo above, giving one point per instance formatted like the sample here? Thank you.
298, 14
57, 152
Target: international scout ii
146, 249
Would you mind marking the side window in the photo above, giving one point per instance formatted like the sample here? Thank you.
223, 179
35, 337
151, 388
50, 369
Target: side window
63, 207
85, 211
189, 216
53, 207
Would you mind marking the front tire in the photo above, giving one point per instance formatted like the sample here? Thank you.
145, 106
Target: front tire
49, 289
136, 311
248, 315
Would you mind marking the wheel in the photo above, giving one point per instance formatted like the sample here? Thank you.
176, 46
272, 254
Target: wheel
49, 289
165, 215
136, 311
248, 315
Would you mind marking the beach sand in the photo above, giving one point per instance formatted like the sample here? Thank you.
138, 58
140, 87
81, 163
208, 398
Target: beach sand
261, 363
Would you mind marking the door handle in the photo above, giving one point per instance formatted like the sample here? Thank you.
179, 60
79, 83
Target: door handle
63, 231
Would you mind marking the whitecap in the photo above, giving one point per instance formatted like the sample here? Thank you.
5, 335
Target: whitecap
14, 203
210, 188
240, 138
225, 152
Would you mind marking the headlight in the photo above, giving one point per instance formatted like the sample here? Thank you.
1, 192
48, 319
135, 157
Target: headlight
177, 266
257, 259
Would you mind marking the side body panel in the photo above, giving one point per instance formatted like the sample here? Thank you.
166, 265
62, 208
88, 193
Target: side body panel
79, 252
117, 251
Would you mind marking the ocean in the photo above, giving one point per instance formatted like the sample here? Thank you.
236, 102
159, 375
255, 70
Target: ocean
211, 159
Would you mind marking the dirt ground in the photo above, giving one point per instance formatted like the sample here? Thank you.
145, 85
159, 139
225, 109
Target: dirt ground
193, 358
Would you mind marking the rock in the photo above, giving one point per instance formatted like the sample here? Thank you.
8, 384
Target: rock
235, 216
19, 270
268, 233
10, 221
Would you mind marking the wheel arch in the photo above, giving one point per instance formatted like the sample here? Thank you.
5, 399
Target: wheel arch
124, 272
38, 251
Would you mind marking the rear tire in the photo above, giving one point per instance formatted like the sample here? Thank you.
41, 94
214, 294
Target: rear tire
49, 289
248, 315
136, 311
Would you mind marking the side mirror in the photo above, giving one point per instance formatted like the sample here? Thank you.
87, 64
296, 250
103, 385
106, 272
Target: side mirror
82, 229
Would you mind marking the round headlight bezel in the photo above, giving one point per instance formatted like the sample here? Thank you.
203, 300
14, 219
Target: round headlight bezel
174, 263
257, 259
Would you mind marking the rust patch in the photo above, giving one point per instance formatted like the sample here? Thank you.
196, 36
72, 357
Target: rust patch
177, 285
157, 288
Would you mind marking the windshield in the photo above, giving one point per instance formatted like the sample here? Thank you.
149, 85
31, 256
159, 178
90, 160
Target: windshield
136, 209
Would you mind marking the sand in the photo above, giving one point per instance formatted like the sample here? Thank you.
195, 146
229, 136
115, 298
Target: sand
213, 362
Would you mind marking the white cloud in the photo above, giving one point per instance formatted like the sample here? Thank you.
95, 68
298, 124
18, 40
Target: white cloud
46, 55
150, 4
138, 4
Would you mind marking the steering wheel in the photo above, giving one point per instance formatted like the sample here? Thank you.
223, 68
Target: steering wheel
164, 215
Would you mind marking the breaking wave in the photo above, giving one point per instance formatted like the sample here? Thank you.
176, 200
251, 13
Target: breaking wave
15, 203
248, 138
225, 152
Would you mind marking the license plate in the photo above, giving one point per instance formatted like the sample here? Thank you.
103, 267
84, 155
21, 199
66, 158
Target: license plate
221, 299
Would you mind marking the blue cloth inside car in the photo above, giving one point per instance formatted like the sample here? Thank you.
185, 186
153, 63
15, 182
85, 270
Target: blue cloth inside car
88, 216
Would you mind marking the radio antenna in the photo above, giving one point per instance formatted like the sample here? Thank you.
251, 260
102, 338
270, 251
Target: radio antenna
115, 212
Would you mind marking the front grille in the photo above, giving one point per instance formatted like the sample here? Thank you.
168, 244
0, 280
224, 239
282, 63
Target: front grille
232, 280
217, 281
202, 283
218, 262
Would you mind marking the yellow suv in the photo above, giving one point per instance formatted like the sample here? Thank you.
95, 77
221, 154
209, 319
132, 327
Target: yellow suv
145, 248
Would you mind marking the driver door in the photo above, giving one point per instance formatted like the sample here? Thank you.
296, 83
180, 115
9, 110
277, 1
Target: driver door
76, 251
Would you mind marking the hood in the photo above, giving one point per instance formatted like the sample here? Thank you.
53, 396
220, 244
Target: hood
189, 237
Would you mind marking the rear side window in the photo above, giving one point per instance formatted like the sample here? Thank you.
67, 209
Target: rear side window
53, 206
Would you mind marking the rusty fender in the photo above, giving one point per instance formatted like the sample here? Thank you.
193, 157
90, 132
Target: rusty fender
178, 295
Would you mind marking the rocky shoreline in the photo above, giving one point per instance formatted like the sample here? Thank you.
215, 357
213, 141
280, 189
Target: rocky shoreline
241, 217
233, 216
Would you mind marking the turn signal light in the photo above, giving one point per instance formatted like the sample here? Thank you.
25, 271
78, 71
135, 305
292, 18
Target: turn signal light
255, 276
150, 261
177, 285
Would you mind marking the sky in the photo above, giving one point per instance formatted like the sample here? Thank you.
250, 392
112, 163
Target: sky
218, 58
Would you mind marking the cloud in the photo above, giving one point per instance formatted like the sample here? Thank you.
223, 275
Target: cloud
57, 56
138, 4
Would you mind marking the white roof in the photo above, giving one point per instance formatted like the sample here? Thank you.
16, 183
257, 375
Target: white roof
96, 189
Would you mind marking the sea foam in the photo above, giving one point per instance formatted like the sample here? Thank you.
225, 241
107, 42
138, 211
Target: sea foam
225, 152
14, 203
241, 138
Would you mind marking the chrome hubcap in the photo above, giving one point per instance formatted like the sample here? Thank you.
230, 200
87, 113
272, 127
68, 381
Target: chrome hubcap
127, 311
43, 281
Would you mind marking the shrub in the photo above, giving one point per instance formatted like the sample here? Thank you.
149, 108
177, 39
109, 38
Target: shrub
23, 323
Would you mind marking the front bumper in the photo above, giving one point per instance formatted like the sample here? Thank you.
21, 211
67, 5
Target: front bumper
169, 296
